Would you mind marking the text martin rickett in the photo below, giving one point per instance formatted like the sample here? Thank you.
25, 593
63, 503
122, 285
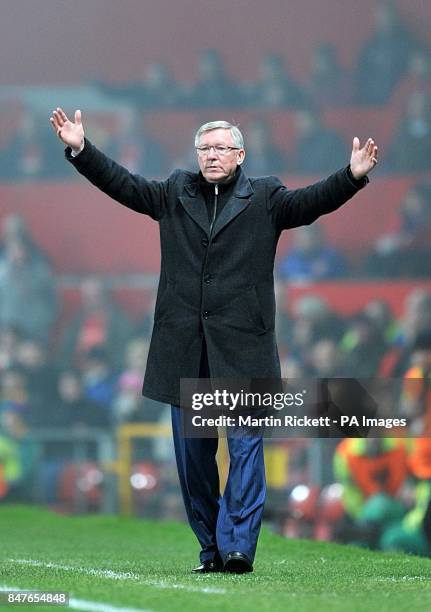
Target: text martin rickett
267, 421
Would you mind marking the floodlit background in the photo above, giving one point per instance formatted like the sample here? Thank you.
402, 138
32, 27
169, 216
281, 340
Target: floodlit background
78, 273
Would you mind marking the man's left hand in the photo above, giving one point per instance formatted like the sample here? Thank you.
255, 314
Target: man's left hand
363, 160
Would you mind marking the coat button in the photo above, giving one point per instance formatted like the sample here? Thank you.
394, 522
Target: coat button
206, 314
208, 278
204, 242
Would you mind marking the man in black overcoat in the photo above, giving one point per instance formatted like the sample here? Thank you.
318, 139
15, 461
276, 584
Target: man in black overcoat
215, 308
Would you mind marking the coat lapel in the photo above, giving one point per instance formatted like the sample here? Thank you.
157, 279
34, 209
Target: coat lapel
235, 205
194, 204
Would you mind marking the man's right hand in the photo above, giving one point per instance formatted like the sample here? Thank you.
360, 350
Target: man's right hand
72, 134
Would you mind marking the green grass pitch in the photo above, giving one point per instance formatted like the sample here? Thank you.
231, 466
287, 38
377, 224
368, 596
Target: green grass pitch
128, 563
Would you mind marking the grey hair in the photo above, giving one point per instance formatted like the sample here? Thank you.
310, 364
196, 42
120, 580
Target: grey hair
237, 137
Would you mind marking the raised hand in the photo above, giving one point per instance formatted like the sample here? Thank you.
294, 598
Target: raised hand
363, 160
72, 134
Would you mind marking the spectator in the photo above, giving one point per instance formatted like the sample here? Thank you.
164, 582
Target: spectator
405, 253
314, 320
99, 322
310, 259
187, 157
10, 465
372, 473
157, 88
417, 78
319, 149
14, 227
68, 407
417, 318
32, 358
416, 397
410, 150
213, 87
129, 406
329, 84
128, 402
30, 153
69, 410
9, 340
380, 314
263, 156
14, 395
326, 360
73, 409
292, 369
27, 292
133, 149
99, 380
102, 132
363, 347
16, 414
412, 534
415, 321
275, 88
384, 56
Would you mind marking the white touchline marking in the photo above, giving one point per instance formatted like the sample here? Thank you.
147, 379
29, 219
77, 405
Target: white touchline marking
70, 568
111, 575
400, 578
84, 604
92, 606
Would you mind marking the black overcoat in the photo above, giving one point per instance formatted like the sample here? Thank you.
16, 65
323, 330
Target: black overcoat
218, 285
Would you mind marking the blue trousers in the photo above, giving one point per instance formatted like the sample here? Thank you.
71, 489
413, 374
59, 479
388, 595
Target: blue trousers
231, 522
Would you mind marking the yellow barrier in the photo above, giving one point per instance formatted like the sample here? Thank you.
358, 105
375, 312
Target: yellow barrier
275, 460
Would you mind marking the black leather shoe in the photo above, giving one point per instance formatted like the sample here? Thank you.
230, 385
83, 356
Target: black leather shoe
206, 567
237, 563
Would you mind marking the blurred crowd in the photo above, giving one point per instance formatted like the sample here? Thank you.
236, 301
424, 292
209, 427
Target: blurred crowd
317, 341
402, 252
392, 70
380, 496
84, 371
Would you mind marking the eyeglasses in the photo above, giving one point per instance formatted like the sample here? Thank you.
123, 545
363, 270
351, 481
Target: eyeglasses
218, 150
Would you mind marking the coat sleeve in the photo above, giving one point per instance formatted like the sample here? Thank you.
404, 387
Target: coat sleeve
294, 207
132, 190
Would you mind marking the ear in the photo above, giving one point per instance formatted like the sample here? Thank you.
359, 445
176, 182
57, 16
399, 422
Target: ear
241, 157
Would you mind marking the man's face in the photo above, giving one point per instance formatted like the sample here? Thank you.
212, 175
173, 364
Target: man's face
217, 168
422, 358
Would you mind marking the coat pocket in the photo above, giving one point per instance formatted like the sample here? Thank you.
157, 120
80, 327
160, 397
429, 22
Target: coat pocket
164, 304
255, 310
